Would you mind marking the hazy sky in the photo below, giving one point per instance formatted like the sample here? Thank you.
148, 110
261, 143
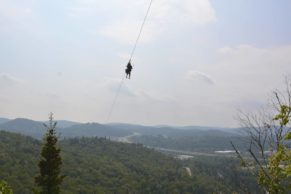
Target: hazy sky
198, 61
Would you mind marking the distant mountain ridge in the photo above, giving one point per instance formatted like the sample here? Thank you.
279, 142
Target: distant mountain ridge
65, 123
189, 138
66, 129
92, 130
4, 120
24, 126
76, 129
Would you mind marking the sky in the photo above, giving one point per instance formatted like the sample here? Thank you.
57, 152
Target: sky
197, 62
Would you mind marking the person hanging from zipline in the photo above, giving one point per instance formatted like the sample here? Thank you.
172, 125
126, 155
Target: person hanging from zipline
128, 69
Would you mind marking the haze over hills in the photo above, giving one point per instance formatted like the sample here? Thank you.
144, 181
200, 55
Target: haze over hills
24, 126
76, 129
65, 123
92, 130
65, 129
190, 138
3, 120
61, 123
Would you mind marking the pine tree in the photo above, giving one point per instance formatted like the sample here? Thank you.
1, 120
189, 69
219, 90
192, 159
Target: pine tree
50, 178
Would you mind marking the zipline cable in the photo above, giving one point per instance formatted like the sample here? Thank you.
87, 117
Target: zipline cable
131, 56
141, 29
115, 99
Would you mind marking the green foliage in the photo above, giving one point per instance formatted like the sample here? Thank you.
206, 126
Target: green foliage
18, 161
97, 165
288, 136
50, 177
5, 188
284, 115
273, 171
276, 178
109, 167
224, 174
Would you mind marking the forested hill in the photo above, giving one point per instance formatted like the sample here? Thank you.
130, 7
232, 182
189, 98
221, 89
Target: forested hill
191, 138
3, 120
96, 165
73, 129
66, 129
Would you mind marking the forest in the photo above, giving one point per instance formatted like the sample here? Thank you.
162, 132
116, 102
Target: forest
98, 165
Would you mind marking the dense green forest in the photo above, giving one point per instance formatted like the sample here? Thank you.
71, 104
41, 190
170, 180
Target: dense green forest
223, 171
97, 165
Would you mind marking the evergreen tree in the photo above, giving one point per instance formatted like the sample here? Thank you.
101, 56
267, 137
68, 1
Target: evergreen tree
50, 178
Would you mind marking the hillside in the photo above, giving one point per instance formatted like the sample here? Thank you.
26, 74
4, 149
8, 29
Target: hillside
96, 165
193, 140
3, 120
24, 126
66, 129
189, 138
93, 130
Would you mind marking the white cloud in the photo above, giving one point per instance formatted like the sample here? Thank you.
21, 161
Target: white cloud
253, 66
7, 80
249, 71
126, 31
124, 56
245, 76
199, 76
21, 17
127, 15
154, 97
14, 11
117, 85
196, 12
